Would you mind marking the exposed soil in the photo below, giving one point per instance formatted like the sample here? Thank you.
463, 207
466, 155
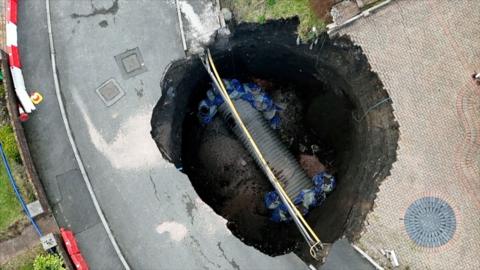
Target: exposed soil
14, 229
322, 90
225, 175
322, 9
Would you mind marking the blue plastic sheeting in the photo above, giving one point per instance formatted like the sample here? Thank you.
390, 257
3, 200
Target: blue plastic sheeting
323, 182
250, 92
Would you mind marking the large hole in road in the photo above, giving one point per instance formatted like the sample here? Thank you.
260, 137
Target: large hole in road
332, 100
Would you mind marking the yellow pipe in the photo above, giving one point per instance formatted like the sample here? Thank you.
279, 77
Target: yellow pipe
259, 154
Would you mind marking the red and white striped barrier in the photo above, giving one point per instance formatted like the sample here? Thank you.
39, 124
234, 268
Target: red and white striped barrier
72, 248
14, 57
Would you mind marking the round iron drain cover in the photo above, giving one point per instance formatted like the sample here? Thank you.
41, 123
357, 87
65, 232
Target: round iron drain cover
430, 222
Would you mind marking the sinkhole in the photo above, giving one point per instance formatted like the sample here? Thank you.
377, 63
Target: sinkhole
334, 109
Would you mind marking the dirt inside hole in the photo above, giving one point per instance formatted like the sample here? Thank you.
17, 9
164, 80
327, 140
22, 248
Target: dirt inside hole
328, 91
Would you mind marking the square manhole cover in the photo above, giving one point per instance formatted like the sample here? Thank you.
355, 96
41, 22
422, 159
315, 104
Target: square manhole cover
131, 63
110, 92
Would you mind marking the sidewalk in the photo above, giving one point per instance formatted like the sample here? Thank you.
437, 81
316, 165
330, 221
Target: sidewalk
26, 240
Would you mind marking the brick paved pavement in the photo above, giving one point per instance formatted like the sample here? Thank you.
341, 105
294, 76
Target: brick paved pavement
424, 52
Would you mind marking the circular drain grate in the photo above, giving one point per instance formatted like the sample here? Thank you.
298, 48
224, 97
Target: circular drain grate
430, 222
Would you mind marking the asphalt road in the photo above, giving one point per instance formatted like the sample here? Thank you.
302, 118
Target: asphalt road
153, 210
50, 148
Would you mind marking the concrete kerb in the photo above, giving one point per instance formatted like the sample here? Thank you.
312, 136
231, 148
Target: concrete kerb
332, 28
221, 21
63, 252
221, 18
74, 145
180, 23
367, 257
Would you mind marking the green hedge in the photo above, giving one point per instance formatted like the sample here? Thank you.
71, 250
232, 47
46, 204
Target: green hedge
7, 138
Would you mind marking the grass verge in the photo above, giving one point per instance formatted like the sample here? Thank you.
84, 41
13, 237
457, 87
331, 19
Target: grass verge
260, 11
10, 209
23, 261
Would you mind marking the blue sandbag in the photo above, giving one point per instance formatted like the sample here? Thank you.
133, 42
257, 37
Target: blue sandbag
272, 200
234, 88
250, 92
275, 121
324, 183
280, 214
206, 111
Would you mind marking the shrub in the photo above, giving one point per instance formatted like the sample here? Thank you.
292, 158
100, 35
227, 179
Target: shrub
7, 138
48, 262
271, 2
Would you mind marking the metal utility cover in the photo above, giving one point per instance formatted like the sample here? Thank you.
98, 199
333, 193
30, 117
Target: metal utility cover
35, 208
110, 92
430, 222
48, 241
131, 63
